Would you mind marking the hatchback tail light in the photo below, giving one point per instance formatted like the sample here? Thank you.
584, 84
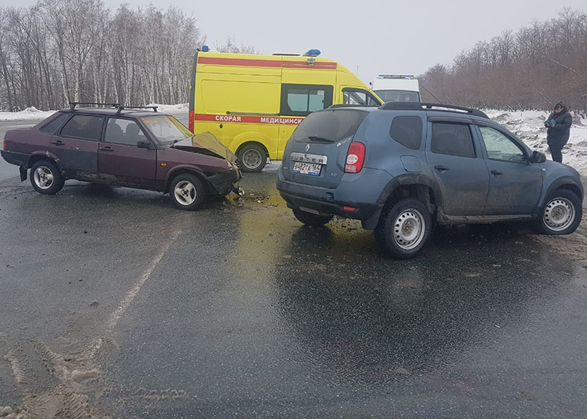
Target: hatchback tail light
355, 158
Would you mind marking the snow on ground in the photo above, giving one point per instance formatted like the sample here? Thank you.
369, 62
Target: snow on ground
29, 114
529, 127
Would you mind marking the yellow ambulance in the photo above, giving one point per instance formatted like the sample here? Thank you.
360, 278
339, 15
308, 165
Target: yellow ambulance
253, 103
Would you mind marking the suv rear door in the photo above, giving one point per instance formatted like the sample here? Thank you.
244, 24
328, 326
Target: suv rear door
76, 145
458, 166
515, 183
121, 160
316, 152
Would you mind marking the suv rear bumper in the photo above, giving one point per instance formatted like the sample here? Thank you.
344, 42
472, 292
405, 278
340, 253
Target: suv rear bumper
360, 211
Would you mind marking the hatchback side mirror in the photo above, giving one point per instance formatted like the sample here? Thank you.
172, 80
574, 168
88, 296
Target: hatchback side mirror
144, 144
538, 157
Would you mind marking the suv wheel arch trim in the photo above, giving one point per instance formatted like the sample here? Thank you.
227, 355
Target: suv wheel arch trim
560, 183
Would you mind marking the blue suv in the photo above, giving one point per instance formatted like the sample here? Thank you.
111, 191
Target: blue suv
402, 167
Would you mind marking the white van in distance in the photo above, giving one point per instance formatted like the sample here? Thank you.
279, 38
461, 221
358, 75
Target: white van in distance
397, 88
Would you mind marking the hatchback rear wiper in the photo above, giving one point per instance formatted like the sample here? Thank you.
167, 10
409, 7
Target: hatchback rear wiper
316, 138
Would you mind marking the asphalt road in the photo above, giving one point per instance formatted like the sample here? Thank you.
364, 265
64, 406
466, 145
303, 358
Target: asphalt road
115, 304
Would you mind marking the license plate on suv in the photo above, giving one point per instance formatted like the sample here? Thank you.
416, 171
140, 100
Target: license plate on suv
307, 164
312, 169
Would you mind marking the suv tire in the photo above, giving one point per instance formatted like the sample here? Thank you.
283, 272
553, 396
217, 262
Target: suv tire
561, 214
404, 228
311, 219
46, 177
187, 192
252, 158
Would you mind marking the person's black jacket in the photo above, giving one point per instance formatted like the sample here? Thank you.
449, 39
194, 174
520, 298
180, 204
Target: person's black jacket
559, 134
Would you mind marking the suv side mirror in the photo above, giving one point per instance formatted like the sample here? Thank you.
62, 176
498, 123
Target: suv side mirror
538, 157
144, 144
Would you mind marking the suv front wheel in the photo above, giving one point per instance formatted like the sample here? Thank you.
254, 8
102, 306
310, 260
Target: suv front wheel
404, 228
561, 214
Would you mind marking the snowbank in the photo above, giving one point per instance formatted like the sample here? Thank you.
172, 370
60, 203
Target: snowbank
173, 109
529, 127
33, 114
29, 114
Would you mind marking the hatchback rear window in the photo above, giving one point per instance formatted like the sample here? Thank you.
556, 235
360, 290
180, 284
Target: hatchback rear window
331, 125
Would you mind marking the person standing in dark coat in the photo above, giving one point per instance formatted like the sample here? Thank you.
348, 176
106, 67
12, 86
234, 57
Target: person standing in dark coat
558, 127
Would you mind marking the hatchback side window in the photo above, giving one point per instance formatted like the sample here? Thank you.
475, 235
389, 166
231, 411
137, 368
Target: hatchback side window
123, 131
53, 125
407, 130
500, 147
86, 127
452, 139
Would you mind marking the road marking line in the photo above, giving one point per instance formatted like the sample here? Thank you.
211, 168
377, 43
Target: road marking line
130, 296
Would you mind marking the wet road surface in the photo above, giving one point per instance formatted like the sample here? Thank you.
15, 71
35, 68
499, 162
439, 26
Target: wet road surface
115, 304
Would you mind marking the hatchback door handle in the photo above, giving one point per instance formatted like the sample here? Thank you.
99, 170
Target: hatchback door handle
58, 142
441, 168
106, 149
496, 172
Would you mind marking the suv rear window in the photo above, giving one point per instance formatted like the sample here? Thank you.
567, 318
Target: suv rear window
407, 130
333, 125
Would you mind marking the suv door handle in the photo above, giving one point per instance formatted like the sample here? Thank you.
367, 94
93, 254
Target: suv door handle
106, 149
496, 172
441, 168
58, 142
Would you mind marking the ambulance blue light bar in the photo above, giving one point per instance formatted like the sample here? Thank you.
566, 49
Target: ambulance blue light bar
205, 48
312, 53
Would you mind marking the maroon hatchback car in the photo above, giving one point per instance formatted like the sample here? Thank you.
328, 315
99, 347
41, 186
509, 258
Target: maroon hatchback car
125, 147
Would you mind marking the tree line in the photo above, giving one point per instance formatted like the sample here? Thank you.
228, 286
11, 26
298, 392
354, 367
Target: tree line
78, 50
533, 68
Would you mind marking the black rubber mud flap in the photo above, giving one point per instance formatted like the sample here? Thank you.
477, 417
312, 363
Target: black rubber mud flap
22, 173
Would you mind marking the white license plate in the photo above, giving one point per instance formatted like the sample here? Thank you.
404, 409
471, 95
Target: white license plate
307, 168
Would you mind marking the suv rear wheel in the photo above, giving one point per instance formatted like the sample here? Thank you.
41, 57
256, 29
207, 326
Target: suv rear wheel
311, 219
561, 214
252, 158
187, 192
46, 178
404, 228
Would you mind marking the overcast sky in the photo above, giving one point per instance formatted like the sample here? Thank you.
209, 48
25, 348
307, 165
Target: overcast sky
369, 36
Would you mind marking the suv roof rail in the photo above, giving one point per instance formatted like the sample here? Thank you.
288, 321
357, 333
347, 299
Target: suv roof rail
431, 106
122, 107
72, 105
350, 105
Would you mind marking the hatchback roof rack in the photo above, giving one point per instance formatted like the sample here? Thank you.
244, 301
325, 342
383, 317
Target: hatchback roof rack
122, 107
72, 105
431, 106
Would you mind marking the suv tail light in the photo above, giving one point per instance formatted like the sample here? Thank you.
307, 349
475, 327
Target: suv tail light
355, 158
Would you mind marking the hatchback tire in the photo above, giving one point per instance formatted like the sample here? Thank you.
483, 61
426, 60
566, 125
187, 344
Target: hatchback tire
46, 177
562, 213
404, 228
252, 158
187, 192
309, 219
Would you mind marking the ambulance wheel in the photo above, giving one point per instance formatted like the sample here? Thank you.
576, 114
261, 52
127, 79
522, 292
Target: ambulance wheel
252, 158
